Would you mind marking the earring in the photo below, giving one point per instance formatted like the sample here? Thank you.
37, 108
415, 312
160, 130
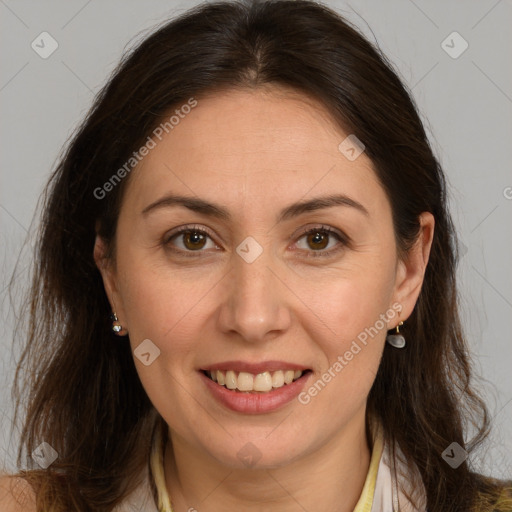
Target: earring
116, 326
396, 339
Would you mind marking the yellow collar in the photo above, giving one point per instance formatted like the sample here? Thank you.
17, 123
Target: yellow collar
157, 468
164, 502
365, 502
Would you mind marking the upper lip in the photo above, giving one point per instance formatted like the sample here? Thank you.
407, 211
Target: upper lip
254, 368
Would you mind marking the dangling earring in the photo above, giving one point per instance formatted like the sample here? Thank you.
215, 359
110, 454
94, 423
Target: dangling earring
396, 339
116, 326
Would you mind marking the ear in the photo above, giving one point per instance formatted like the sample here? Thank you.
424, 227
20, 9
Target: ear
411, 268
107, 269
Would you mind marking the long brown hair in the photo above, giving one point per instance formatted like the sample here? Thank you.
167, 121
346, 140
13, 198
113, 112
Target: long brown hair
85, 398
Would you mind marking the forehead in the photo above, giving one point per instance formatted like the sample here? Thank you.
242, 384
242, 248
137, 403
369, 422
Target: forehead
259, 143
259, 124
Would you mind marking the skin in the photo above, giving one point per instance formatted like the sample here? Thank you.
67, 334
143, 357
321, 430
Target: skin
16, 495
254, 152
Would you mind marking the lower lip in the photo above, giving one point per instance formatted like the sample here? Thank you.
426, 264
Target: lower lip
255, 403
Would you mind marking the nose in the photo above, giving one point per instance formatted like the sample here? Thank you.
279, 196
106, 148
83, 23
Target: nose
255, 306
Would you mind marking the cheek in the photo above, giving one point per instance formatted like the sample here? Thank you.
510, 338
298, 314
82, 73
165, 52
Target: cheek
336, 305
351, 301
164, 304
351, 320
351, 349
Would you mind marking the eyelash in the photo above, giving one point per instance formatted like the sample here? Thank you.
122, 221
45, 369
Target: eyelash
343, 239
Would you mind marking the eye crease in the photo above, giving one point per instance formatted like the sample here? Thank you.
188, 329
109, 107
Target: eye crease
195, 238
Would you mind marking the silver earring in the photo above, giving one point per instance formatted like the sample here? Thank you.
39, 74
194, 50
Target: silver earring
116, 326
396, 339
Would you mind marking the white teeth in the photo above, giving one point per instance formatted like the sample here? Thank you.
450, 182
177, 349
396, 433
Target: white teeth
245, 381
262, 382
278, 379
231, 380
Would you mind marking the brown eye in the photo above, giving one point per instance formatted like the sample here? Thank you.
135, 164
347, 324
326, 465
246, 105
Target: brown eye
321, 241
189, 240
318, 240
193, 240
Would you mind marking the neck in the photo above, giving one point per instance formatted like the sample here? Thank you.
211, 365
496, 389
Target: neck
329, 478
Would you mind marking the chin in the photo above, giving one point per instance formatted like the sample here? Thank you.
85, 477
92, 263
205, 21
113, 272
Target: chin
256, 452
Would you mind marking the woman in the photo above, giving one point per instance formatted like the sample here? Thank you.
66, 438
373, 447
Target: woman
245, 295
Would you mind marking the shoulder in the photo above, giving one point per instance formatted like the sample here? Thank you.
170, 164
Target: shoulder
496, 494
16, 494
504, 502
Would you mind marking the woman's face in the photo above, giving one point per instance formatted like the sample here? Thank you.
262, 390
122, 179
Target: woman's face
245, 290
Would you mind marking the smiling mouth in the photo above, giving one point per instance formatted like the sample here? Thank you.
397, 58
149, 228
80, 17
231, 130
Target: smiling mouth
245, 382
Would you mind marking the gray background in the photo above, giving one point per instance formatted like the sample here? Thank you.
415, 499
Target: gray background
465, 102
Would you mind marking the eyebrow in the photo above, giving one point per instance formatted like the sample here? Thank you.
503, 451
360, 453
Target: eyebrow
207, 208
